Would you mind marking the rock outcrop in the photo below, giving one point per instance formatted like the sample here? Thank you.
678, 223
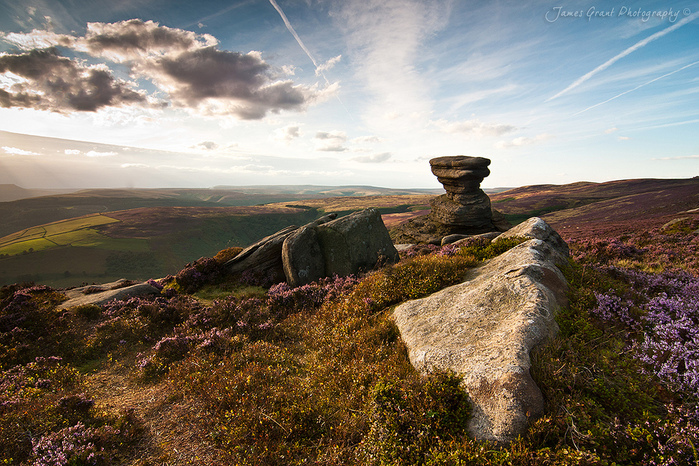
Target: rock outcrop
464, 210
465, 207
264, 258
102, 294
485, 328
323, 248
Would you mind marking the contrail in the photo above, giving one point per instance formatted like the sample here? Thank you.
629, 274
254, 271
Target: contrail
293, 32
626, 52
318, 70
637, 87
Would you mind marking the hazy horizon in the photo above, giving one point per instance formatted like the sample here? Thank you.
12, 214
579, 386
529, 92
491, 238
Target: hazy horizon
262, 92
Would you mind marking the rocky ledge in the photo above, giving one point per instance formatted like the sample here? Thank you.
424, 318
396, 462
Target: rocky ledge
485, 328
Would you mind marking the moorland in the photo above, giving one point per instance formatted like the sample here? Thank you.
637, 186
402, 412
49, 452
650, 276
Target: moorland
100, 235
223, 370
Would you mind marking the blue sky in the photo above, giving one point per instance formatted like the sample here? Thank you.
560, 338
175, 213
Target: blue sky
169, 93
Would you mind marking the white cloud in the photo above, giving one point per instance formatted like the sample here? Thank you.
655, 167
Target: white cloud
187, 66
611, 130
367, 140
327, 65
376, 158
679, 157
333, 141
206, 145
473, 127
624, 138
94, 153
388, 38
71, 152
523, 141
287, 133
38, 39
17, 151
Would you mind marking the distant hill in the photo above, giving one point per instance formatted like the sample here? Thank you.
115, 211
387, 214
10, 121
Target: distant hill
29, 212
141, 243
615, 202
12, 192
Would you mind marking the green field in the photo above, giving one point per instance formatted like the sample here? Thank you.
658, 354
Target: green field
135, 244
74, 232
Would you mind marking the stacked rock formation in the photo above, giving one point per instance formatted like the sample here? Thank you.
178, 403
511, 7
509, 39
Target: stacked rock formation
465, 208
463, 211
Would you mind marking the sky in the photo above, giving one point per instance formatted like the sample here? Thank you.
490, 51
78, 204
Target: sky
170, 93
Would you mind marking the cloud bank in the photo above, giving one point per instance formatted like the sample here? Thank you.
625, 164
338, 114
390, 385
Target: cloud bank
187, 67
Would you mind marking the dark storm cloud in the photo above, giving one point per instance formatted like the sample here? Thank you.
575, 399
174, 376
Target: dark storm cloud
185, 65
51, 82
127, 40
233, 82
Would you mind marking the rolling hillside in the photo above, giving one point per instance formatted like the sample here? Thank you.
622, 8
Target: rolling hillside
103, 235
34, 211
137, 244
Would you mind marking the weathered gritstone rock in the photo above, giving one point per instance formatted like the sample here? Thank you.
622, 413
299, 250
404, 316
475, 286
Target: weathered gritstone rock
485, 328
465, 206
460, 174
323, 248
263, 258
102, 294
464, 210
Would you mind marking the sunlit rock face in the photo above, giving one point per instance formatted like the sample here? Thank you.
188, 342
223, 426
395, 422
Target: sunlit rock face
485, 328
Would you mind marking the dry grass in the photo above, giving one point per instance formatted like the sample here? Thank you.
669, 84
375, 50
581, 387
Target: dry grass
176, 428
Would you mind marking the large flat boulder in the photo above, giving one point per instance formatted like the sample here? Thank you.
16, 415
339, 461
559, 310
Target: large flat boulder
485, 328
302, 257
104, 293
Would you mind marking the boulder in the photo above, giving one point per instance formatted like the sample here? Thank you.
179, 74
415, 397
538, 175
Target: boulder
355, 243
465, 209
536, 228
264, 258
102, 294
485, 328
465, 240
472, 214
460, 174
326, 247
302, 257
465, 206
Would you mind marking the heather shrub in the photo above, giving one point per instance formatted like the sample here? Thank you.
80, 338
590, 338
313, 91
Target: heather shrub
140, 320
654, 250
227, 254
663, 312
197, 274
79, 444
406, 422
30, 328
35, 398
318, 373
